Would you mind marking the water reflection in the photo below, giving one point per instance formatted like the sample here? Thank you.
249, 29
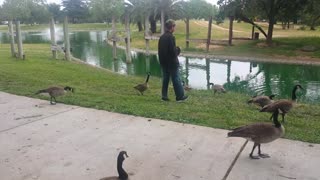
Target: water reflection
246, 77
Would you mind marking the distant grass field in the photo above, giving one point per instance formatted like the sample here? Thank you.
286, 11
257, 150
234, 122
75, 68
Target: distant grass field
102, 89
287, 43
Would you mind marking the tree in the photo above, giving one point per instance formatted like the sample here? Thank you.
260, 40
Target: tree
311, 14
76, 10
15, 9
54, 10
290, 12
140, 11
166, 8
104, 9
38, 13
29, 11
247, 9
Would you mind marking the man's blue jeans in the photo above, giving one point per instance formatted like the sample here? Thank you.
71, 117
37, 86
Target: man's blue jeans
175, 78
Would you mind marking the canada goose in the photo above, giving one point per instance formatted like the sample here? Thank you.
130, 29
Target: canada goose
262, 100
217, 88
55, 91
260, 133
284, 105
143, 87
186, 87
123, 175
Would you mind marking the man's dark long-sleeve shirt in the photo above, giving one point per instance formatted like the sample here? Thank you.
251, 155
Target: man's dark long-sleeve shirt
167, 51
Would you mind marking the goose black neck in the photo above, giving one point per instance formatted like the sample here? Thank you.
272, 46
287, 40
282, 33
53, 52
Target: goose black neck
122, 173
294, 96
275, 119
147, 78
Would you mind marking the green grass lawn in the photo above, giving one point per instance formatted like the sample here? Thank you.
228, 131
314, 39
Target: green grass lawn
102, 89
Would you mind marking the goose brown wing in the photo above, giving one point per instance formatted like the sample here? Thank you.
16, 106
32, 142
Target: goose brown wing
252, 131
284, 105
141, 87
262, 100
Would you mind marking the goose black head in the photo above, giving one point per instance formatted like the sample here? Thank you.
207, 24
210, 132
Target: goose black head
275, 118
68, 88
123, 175
295, 88
122, 155
272, 96
211, 84
298, 86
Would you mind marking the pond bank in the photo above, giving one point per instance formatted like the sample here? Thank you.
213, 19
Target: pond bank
280, 59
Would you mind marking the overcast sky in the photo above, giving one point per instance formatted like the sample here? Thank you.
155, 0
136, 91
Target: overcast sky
59, 1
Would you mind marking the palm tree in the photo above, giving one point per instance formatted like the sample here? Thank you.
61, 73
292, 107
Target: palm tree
166, 8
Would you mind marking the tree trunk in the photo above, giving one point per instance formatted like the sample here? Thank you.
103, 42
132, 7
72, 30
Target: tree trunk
271, 17
209, 33
53, 39
252, 33
187, 32
146, 33
231, 18
139, 24
153, 24
162, 21
19, 40
270, 30
247, 20
66, 39
313, 23
13, 51
114, 42
128, 51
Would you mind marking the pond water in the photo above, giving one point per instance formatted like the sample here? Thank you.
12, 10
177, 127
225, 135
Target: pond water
245, 77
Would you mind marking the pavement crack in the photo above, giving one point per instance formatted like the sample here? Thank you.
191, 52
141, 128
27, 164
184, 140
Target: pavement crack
287, 177
234, 160
27, 117
5, 130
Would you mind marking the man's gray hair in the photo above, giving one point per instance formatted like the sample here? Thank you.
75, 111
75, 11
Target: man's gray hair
169, 24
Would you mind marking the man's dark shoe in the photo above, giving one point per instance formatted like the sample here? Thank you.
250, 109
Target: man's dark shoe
165, 99
182, 99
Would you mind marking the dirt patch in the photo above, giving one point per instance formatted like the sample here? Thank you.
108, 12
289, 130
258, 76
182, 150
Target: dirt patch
264, 45
211, 47
302, 57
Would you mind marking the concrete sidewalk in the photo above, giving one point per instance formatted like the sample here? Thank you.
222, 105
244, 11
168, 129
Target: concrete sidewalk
42, 141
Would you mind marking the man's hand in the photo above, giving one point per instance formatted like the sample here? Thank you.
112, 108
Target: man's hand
178, 50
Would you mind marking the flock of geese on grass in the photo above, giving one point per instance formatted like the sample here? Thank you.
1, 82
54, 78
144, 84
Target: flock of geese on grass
258, 133
56, 91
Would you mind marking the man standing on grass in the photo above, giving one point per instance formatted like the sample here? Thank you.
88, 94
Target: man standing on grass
168, 56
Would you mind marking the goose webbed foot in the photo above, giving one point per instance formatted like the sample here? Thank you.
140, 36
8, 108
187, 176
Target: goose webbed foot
271, 117
254, 146
264, 156
55, 101
283, 118
254, 157
260, 154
